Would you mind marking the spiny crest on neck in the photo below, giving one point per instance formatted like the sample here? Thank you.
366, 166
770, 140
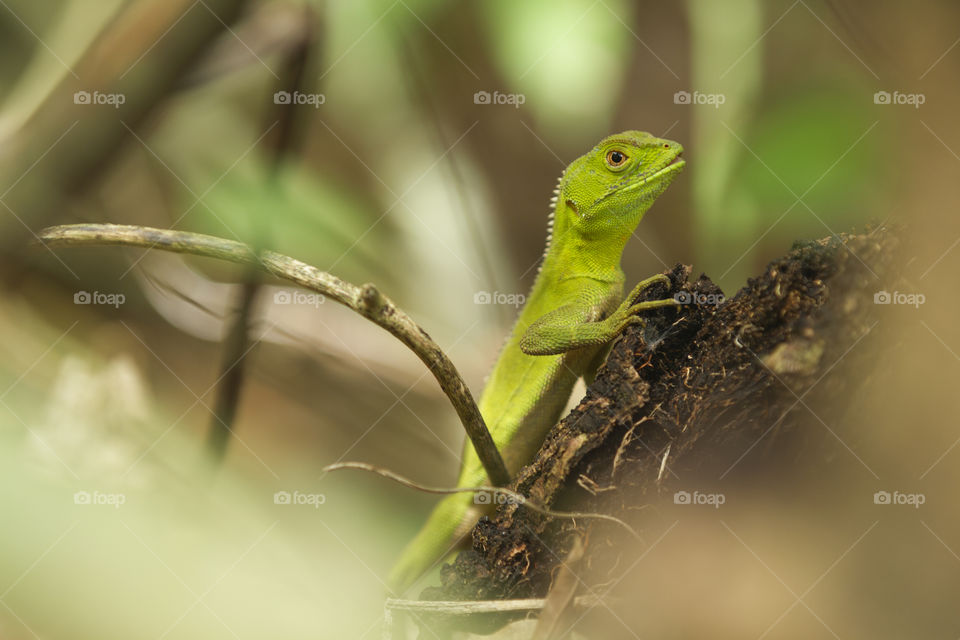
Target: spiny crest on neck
550, 219
552, 215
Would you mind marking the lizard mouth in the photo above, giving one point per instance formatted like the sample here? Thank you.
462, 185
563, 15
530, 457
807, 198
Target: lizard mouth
674, 165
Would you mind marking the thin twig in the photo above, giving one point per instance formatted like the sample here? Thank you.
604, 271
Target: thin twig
511, 495
367, 300
446, 608
468, 607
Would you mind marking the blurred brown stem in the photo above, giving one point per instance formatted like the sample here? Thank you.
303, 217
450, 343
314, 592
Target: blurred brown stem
366, 300
238, 343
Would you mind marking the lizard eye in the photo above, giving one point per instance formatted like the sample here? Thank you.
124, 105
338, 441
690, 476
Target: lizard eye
616, 158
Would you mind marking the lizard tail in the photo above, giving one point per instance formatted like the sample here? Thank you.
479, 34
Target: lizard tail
444, 529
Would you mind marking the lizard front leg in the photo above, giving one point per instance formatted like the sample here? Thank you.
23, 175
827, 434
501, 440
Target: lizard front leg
573, 326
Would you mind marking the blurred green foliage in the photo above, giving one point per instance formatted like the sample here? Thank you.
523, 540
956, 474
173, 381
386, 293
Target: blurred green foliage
567, 57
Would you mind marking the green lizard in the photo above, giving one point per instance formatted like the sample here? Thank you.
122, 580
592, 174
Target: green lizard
575, 310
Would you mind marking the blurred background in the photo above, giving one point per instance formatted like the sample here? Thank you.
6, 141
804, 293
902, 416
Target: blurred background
415, 144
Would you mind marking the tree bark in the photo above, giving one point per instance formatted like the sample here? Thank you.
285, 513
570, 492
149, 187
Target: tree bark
699, 389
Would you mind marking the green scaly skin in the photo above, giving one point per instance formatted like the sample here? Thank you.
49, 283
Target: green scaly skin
575, 310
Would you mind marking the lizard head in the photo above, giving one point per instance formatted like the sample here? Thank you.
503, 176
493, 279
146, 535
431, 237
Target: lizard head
608, 190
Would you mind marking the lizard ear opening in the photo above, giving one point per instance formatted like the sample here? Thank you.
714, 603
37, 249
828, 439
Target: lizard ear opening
573, 206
